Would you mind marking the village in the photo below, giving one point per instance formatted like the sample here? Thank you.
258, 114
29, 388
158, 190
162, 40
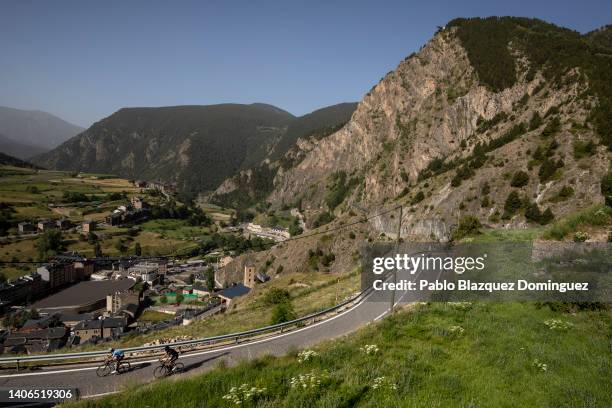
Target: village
76, 301
87, 293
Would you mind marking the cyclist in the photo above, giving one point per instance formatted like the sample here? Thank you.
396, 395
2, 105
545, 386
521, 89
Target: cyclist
170, 357
116, 356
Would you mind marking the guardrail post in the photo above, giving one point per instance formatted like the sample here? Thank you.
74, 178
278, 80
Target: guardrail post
17, 365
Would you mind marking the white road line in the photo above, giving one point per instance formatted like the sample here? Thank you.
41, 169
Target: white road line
380, 316
72, 370
99, 395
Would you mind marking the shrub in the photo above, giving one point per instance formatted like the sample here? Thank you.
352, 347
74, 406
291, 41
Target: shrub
468, 225
519, 179
322, 219
294, 228
594, 216
512, 205
275, 296
420, 196
580, 236
547, 217
486, 188
566, 192
533, 214
584, 149
338, 188
328, 259
535, 122
551, 127
485, 203
548, 169
283, 312
606, 188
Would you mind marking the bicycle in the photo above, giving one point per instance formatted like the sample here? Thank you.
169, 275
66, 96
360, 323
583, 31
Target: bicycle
164, 369
107, 368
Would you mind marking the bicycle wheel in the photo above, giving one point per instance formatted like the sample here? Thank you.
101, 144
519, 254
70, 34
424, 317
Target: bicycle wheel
103, 370
160, 371
124, 367
178, 368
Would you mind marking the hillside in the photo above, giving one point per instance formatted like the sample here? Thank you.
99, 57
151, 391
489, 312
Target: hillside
489, 111
6, 160
254, 184
319, 119
197, 146
34, 128
601, 37
18, 149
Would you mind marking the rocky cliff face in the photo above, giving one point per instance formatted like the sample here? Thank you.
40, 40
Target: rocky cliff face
434, 137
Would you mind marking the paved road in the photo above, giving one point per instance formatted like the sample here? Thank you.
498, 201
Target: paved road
372, 308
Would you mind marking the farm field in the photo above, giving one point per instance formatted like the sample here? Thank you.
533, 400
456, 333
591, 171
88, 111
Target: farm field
34, 195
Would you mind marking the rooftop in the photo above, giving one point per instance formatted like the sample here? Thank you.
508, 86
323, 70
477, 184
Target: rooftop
83, 293
234, 291
89, 325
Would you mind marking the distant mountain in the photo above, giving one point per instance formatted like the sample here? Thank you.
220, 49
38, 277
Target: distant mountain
17, 149
196, 146
35, 128
6, 160
601, 37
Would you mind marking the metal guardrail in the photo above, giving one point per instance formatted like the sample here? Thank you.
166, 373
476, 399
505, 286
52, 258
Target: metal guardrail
205, 340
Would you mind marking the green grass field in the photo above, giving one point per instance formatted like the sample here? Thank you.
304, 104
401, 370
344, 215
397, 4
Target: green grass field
153, 316
164, 237
503, 355
177, 229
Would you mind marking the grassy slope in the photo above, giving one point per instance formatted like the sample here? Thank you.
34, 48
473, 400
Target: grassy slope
490, 364
310, 293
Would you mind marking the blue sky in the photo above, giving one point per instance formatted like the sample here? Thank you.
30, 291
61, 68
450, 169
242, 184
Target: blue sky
83, 60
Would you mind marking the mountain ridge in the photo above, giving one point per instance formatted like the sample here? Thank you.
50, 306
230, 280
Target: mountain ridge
197, 146
35, 128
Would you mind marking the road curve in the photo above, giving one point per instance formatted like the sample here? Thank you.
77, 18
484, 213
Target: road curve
373, 307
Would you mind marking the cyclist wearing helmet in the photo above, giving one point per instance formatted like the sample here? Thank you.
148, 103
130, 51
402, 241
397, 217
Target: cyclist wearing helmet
170, 357
116, 356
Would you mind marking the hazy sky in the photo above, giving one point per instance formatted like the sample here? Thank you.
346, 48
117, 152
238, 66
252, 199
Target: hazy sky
82, 60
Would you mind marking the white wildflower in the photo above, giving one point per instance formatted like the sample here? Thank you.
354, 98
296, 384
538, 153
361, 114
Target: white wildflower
539, 365
556, 324
383, 383
307, 355
310, 380
370, 349
243, 394
460, 305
